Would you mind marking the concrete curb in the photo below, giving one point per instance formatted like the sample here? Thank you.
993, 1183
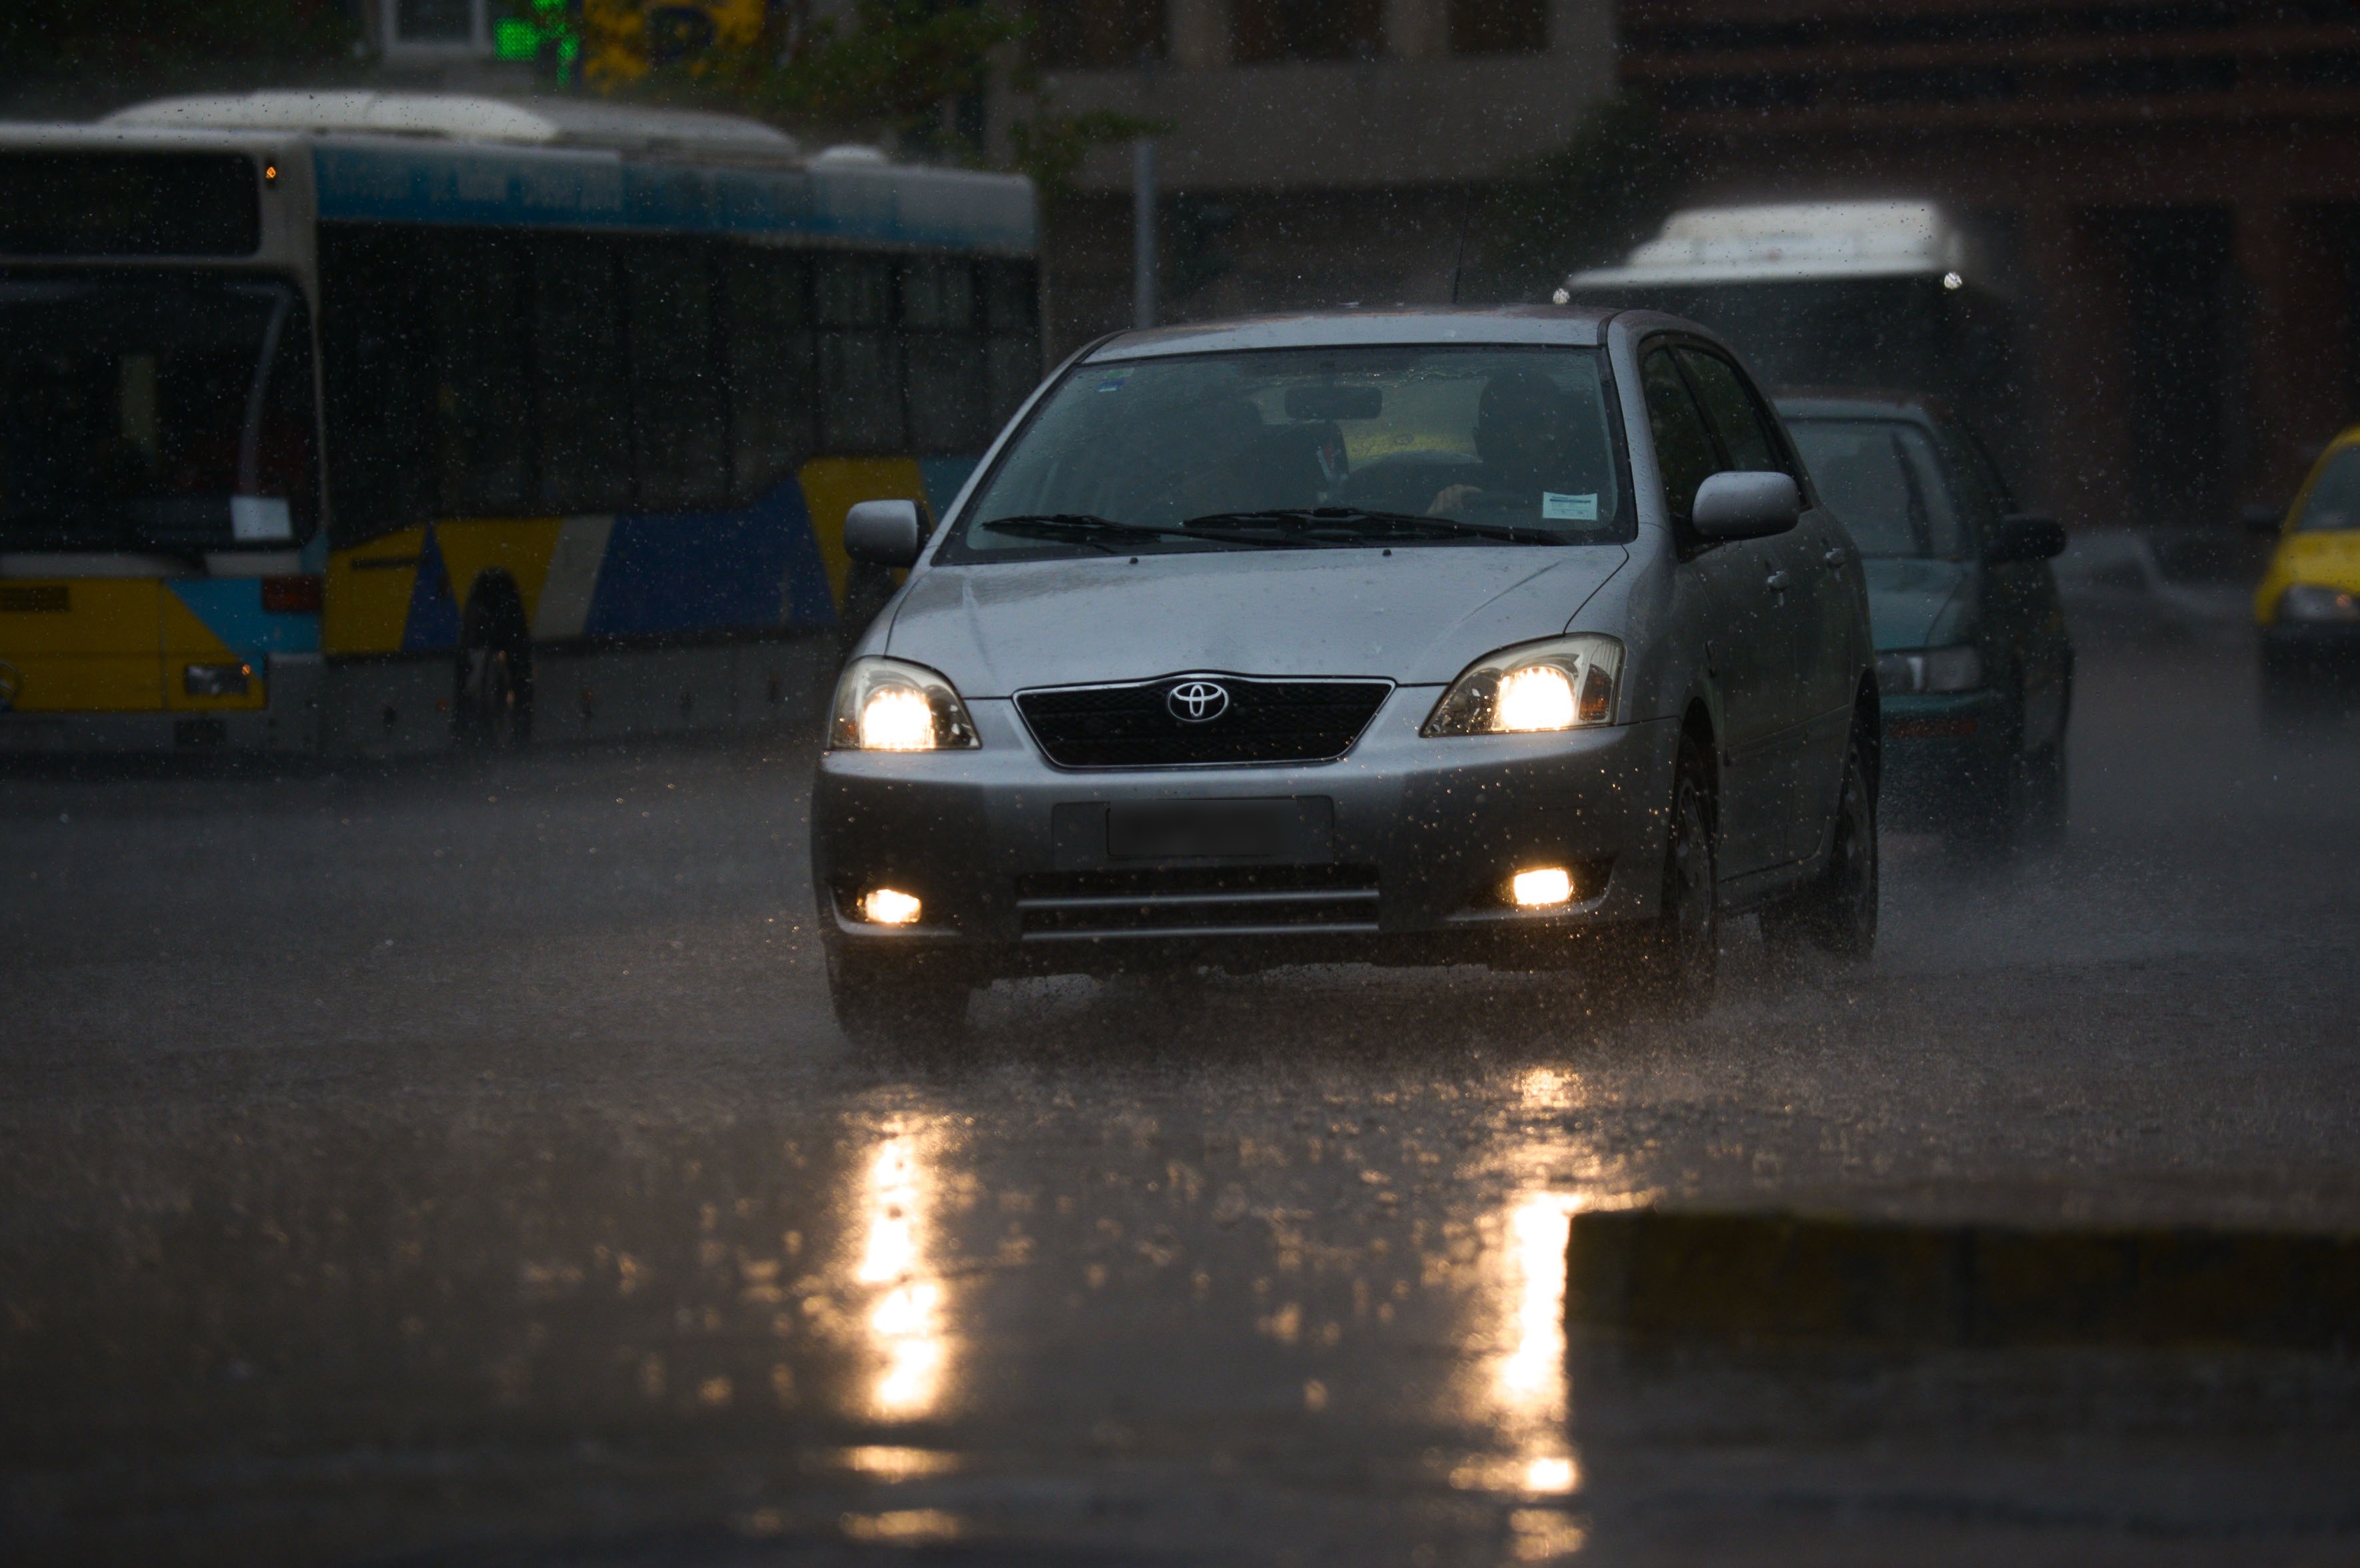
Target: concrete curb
1784, 1277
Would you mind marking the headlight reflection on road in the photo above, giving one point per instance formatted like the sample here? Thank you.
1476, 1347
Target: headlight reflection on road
1530, 1384
904, 1320
1528, 1380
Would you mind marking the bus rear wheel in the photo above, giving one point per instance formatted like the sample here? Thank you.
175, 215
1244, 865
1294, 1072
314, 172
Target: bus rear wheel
491, 705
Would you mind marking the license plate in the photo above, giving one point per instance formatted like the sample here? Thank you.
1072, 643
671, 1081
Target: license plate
1299, 829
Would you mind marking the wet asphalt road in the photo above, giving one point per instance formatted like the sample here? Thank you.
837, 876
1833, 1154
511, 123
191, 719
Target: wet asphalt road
456, 1164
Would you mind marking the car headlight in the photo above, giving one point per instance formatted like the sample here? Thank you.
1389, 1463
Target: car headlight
1922, 670
2318, 602
1561, 685
884, 704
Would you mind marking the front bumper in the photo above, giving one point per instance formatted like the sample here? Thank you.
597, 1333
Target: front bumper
1940, 753
1425, 835
2322, 645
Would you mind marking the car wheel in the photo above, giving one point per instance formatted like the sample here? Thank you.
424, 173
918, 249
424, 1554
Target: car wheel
1669, 961
884, 1000
491, 707
1837, 913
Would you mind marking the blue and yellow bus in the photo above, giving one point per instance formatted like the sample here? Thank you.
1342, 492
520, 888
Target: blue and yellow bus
362, 423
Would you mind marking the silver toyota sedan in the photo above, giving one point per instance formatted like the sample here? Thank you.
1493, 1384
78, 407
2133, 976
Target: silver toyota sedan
1512, 637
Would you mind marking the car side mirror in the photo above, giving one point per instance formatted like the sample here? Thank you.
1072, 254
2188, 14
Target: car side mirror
1746, 504
2263, 519
884, 533
2026, 536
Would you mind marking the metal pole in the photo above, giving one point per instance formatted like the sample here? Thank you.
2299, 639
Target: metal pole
1142, 232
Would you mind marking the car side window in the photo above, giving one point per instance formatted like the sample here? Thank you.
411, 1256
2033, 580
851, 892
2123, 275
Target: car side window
1684, 447
1736, 416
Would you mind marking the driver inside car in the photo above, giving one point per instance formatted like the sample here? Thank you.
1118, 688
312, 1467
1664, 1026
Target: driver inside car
1524, 438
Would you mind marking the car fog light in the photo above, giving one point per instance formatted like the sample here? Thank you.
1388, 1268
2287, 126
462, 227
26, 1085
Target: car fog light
1535, 889
889, 906
217, 679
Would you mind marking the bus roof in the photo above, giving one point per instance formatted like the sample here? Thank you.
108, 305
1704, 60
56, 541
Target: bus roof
1792, 242
466, 117
453, 159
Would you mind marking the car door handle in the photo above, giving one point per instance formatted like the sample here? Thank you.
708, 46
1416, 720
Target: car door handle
1834, 558
1775, 582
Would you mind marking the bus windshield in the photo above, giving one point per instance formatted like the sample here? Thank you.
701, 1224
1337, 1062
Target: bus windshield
154, 412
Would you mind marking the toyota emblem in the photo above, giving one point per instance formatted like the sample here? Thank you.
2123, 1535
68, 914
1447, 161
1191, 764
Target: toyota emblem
1197, 701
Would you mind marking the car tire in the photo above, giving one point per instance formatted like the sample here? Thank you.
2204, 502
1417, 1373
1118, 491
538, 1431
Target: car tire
491, 701
1837, 914
902, 999
1668, 961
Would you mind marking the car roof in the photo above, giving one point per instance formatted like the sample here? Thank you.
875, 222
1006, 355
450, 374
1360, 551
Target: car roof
1860, 403
1569, 326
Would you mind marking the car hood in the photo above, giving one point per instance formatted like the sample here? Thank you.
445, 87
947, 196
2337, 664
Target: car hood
1918, 604
1418, 616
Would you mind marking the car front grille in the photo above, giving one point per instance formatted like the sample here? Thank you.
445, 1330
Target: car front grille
1263, 721
1258, 900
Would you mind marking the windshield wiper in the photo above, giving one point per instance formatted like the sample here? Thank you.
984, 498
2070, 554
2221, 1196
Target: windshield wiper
1356, 523
1081, 528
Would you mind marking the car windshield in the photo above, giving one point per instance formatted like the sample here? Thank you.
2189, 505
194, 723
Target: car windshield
159, 413
1884, 482
2333, 502
1325, 446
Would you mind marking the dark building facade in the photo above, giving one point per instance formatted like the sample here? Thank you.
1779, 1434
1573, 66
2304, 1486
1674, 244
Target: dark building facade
2170, 189
1318, 151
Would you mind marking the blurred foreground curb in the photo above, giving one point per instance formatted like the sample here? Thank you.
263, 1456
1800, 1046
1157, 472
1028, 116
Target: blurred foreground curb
1775, 1277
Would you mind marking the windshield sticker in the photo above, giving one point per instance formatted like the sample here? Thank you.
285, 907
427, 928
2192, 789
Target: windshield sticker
1556, 508
1113, 383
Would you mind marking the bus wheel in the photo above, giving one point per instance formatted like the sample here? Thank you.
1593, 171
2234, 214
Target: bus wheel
491, 707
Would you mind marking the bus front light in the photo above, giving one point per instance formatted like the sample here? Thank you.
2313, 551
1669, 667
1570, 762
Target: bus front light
217, 679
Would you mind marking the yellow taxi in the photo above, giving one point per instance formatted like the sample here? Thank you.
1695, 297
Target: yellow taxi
2308, 605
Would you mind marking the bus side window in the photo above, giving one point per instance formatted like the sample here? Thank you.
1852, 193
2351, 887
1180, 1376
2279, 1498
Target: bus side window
859, 361
379, 370
947, 396
485, 430
768, 345
583, 383
679, 414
